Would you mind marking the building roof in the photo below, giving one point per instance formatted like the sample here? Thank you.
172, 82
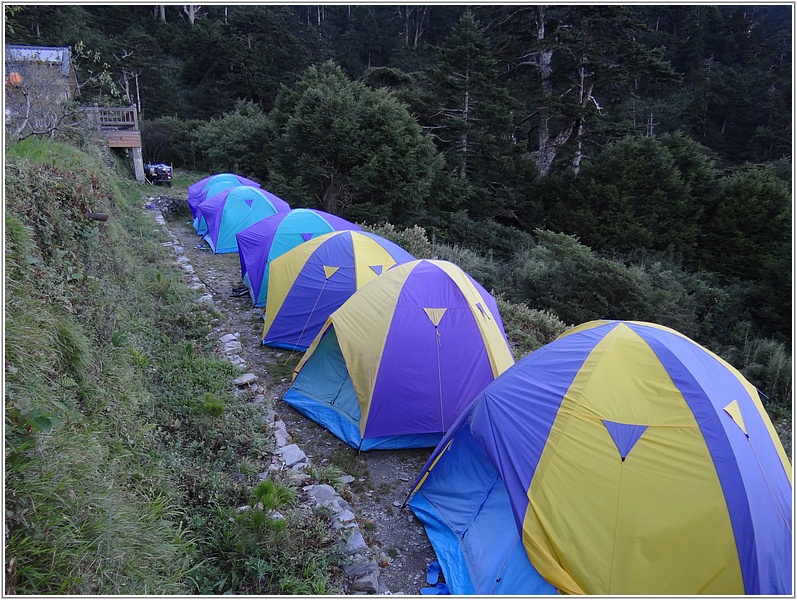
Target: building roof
46, 54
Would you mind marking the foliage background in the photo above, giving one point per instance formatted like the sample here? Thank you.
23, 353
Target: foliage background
623, 162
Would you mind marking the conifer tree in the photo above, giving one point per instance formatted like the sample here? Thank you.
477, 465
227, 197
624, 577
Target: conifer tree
350, 150
469, 116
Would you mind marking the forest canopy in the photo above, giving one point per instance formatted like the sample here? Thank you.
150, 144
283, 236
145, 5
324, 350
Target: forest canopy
649, 134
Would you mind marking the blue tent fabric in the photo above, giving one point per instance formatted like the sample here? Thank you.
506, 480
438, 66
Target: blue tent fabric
476, 508
312, 280
416, 348
326, 395
209, 186
315, 400
628, 412
233, 210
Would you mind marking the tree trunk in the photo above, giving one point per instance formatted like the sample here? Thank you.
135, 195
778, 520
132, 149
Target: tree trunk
463, 169
160, 12
584, 98
412, 18
547, 147
126, 83
138, 96
420, 15
191, 11
579, 148
329, 202
405, 23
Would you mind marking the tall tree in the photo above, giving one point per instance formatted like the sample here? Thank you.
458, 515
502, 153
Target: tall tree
241, 59
191, 11
569, 63
412, 18
748, 223
463, 79
748, 237
469, 115
134, 55
350, 150
736, 65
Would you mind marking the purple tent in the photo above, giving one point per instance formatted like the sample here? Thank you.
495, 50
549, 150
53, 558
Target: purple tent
233, 210
207, 187
264, 241
397, 363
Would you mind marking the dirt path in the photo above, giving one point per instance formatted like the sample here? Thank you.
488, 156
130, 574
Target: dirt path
382, 479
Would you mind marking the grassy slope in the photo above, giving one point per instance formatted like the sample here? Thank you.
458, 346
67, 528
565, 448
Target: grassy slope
121, 425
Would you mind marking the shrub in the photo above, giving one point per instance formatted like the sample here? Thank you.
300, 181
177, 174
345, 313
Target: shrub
412, 239
487, 236
565, 277
766, 364
350, 150
234, 143
171, 140
526, 328
483, 269
636, 193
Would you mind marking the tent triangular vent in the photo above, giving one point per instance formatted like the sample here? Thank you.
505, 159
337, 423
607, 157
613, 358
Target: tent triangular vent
330, 271
377, 269
249, 202
625, 436
307, 236
435, 314
736, 414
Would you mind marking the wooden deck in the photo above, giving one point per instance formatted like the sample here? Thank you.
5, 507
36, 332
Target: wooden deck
119, 125
123, 139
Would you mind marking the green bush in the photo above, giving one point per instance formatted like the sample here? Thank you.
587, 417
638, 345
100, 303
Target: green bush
484, 269
765, 363
341, 146
695, 304
171, 140
235, 142
636, 193
487, 237
528, 329
567, 278
748, 239
412, 239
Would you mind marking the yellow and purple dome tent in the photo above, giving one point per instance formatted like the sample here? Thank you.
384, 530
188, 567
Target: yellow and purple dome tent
395, 365
622, 458
207, 187
309, 282
233, 210
264, 241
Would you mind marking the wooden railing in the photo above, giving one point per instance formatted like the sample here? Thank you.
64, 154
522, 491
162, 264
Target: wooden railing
109, 118
117, 124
